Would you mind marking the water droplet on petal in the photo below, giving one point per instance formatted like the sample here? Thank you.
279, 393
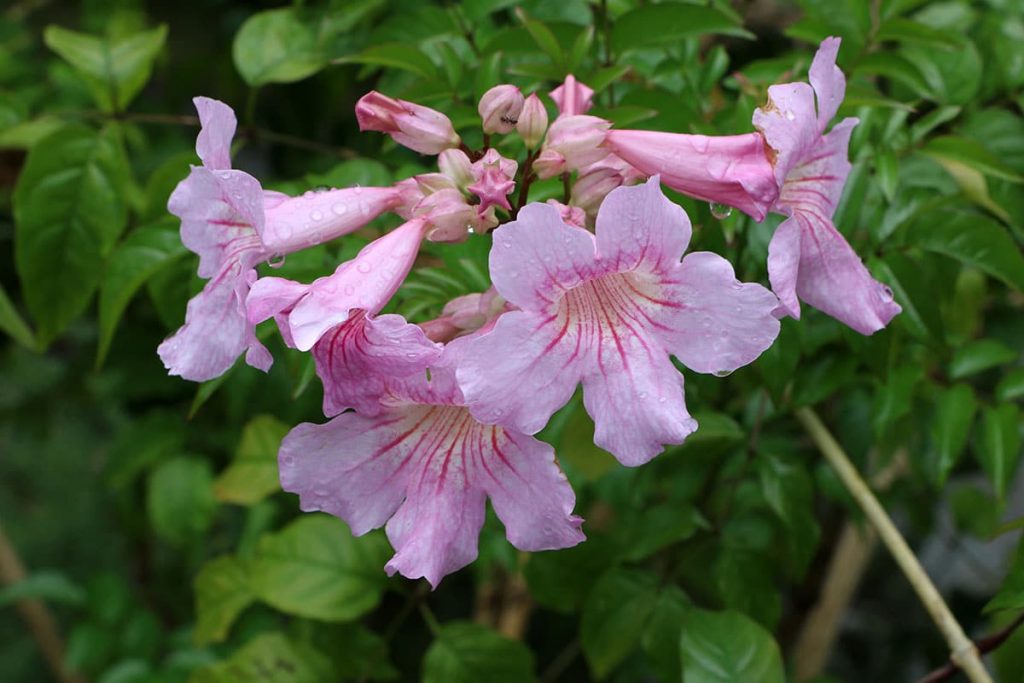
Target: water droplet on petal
700, 143
276, 260
720, 211
722, 373
790, 116
309, 194
364, 267
317, 216
642, 395
339, 209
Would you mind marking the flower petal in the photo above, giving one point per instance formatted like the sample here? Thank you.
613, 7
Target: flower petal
215, 332
218, 123
318, 217
784, 266
724, 324
542, 359
828, 81
789, 125
536, 257
640, 225
732, 170
356, 359
528, 491
635, 396
817, 181
830, 276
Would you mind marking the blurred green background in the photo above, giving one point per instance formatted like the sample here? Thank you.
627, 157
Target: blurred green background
146, 509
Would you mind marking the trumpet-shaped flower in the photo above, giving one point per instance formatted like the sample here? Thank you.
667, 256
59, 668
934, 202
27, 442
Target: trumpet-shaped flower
808, 259
425, 466
607, 310
233, 224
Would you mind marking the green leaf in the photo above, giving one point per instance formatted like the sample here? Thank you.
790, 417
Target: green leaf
895, 397
971, 238
726, 647
789, 490
221, 592
179, 499
543, 37
69, 209
561, 581
660, 640
979, 356
142, 254
887, 171
49, 586
659, 526
1011, 594
277, 46
269, 658
315, 568
396, 56
668, 23
908, 31
13, 324
895, 67
970, 153
999, 445
252, 475
115, 70
1011, 386
470, 653
745, 580
614, 617
951, 429
913, 291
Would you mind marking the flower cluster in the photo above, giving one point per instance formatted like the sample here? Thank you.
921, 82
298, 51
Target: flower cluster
428, 420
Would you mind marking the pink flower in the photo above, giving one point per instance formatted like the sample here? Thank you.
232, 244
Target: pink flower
419, 128
591, 188
233, 224
572, 97
465, 314
573, 215
366, 283
424, 466
607, 310
572, 142
808, 258
732, 170
493, 180
499, 108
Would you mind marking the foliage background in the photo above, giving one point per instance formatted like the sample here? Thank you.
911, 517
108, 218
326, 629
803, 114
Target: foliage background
147, 509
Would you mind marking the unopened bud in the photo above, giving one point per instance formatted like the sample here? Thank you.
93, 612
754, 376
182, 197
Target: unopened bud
419, 128
500, 108
533, 122
456, 165
591, 188
577, 140
572, 97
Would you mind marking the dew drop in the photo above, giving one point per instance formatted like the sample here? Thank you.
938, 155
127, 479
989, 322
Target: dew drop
790, 116
317, 216
309, 194
720, 211
276, 261
700, 144
722, 373
642, 395
364, 267
339, 209
662, 399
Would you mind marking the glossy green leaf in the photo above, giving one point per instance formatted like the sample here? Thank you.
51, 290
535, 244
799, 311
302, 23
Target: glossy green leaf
908, 31
726, 647
315, 568
789, 490
951, 428
1011, 594
979, 356
970, 153
999, 445
660, 640
48, 586
143, 253
269, 658
396, 56
971, 238
115, 70
614, 617
69, 208
562, 581
1011, 386
222, 591
252, 475
179, 499
469, 653
278, 46
668, 23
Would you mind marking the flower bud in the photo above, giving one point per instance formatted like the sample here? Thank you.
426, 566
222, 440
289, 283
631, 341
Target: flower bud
577, 140
533, 122
500, 108
493, 180
572, 97
448, 215
430, 183
419, 128
456, 165
591, 188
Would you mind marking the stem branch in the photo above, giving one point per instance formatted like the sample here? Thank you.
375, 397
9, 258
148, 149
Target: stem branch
963, 652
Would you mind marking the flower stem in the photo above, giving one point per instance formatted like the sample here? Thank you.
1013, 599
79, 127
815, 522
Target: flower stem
429, 618
963, 652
